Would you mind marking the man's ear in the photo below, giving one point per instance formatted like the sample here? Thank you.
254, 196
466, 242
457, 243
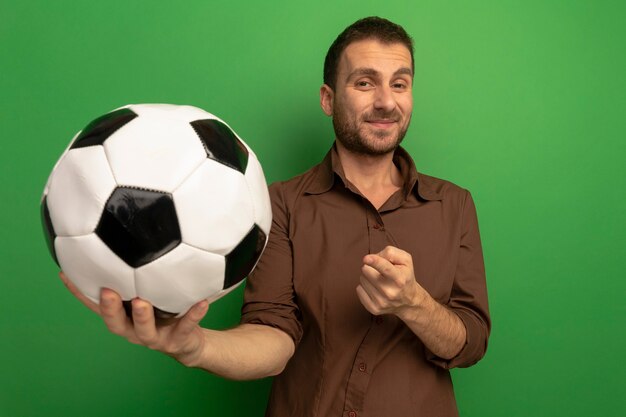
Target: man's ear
327, 97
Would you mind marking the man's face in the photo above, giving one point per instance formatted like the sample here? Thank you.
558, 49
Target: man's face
373, 100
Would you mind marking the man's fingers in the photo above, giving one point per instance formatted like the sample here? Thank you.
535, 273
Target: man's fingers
114, 315
396, 256
189, 321
144, 323
383, 292
370, 281
366, 300
76, 293
142, 329
370, 273
381, 265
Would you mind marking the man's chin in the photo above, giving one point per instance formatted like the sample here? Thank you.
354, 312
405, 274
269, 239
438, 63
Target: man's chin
370, 148
379, 151
382, 143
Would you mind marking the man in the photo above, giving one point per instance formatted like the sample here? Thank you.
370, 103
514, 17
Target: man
372, 284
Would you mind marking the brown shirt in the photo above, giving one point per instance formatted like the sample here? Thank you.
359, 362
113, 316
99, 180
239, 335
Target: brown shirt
347, 362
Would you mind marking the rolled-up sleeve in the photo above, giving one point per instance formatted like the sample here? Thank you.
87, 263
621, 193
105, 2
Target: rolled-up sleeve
269, 294
468, 299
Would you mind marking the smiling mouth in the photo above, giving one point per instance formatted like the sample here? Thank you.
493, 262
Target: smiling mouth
382, 123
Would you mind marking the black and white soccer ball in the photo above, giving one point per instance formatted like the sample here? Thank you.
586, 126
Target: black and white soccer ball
157, 201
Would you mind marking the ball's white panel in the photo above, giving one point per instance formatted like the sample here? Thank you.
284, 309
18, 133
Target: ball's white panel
260, 196
45, 189
79, 188
181, 278
214, 208
184, 114
91, 265
154, 152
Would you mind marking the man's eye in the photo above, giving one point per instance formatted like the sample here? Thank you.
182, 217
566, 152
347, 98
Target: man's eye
363, 84
400, 86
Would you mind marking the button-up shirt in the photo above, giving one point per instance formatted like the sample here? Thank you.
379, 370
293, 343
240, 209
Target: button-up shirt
348, 362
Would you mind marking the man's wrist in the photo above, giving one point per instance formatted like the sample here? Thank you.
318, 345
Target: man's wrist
418, 309
191, 357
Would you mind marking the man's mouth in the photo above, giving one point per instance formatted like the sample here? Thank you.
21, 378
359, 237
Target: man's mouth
382, 123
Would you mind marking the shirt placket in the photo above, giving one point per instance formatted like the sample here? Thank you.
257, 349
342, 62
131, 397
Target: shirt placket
365, 358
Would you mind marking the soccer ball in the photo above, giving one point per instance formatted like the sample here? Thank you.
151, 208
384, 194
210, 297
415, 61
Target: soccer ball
157, 201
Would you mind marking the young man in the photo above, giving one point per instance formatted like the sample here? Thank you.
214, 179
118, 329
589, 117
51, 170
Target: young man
372, 284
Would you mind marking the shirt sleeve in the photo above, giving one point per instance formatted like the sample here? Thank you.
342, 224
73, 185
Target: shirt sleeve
269, 297
468, 299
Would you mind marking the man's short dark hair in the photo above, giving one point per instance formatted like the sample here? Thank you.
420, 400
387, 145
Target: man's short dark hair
372, 27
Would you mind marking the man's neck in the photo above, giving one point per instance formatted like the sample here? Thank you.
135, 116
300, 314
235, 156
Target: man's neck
376, 176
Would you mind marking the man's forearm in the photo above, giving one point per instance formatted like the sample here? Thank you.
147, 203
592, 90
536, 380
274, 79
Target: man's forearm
249, 351
439, 328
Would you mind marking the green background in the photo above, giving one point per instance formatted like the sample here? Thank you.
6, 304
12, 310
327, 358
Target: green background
522, 102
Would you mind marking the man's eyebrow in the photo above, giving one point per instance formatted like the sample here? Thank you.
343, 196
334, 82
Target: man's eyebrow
363, 71
404, 70
373, 73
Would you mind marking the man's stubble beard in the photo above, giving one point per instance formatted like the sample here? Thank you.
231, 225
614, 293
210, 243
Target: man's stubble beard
348, 134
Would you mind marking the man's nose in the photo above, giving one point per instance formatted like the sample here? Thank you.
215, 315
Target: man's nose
384, 99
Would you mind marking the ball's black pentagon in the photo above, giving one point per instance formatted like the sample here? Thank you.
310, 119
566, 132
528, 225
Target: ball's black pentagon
48, 229
221, 144
158, 313
96, 132
241, 260
139, 225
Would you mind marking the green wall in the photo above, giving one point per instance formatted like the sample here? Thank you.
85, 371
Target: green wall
522, 102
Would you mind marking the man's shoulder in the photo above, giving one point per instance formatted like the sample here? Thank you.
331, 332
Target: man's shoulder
289, 190
435, 188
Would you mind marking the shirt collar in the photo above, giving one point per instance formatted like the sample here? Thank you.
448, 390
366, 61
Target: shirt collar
330, 168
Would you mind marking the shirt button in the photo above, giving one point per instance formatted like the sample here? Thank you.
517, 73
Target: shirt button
362, 367
376, 226
352, 414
